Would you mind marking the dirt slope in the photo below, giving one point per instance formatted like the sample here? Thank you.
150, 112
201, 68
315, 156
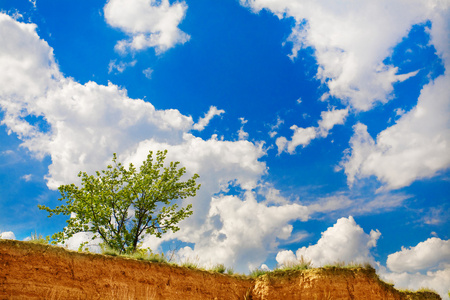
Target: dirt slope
31, 271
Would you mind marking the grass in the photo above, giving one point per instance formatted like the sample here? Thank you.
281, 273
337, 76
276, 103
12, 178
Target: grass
257, 273
140, 254
191, 263
39, 239
351, 265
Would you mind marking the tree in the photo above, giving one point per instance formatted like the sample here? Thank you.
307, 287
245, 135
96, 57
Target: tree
120, 205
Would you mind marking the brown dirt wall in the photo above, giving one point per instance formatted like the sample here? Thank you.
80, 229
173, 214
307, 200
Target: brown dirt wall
33, 271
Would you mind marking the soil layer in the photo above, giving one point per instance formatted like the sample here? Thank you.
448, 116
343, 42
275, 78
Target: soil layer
34, 271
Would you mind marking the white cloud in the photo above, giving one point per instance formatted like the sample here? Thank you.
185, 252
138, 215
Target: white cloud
85, 238
119, 67
27, 177
331, 118
346, 241
433, 253
7, 235
88, 122
416, 147
303, 136
273, 129
425, 265
148, 73
241, 133
352, 39
286, 258
203, 122
241, 233
149, 23
435, 280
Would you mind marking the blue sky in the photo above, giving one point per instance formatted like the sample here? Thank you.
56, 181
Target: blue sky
318, 128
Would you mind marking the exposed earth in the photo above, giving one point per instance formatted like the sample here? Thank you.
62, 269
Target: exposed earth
35, 271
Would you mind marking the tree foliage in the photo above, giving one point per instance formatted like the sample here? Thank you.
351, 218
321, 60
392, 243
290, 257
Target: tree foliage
120, 204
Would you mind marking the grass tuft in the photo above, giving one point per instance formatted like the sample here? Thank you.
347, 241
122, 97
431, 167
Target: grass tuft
294, 265
39, 239
258, 272
219, 268
191, 263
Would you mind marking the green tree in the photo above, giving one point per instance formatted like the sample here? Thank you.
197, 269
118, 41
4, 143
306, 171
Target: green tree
120, 204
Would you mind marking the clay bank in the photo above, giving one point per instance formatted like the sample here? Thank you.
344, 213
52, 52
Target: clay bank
34, 271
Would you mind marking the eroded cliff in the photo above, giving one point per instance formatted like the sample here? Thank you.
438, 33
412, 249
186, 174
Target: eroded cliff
33, 271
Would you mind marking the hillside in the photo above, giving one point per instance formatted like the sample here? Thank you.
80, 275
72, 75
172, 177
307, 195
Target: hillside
33, 271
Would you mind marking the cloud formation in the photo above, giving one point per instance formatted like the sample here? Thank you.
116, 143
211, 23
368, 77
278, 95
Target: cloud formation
203, 122
346, 241
241, 233
433, 253
425, 265
148, 23
7, 235
351, 40
303, 136
416, 147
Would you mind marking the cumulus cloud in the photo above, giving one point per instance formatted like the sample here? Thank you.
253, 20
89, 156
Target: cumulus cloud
87, 122
149, 23
435, 280
7, 235
204, 121
416, 147
425, 265
433, 253
241, 233
303, 136
351, 41
346, 241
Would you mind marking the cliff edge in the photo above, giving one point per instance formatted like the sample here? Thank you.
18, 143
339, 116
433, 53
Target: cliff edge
34, 271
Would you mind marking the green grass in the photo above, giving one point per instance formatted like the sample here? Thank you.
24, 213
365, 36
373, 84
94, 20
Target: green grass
258, 272
140, 254
219, 268
39, 239
351, 265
